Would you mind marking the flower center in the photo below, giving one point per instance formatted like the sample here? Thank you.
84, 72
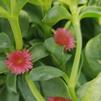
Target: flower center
20, 61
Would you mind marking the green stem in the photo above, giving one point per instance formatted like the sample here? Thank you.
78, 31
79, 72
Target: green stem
76, 24
73, 94
14, 23
34, 89
71, 91
75, 68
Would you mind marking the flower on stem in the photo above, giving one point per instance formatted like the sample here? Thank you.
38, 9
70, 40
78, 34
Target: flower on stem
19, 62
58, 99
64, 38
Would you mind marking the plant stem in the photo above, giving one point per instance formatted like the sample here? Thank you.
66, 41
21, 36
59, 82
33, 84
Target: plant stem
73, 94
75, 68
14, 23
70, 90
34, 89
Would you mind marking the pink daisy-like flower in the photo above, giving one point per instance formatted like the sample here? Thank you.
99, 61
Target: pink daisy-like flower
19, 62
58, 99
64, 38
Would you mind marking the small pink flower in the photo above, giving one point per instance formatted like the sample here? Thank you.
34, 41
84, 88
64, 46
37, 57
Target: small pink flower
19, 62
64, 38
58, 99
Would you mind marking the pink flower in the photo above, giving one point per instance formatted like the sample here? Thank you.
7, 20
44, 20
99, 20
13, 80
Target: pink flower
19, 61
64, 38
58, 99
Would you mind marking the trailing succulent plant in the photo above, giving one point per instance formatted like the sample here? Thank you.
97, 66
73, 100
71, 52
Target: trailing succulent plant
50, 50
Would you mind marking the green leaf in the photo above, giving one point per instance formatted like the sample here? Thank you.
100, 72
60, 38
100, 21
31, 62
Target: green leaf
44, 4
55, 14
11, 83
2, 79
4, 42
3, 13
91, 91
24, 23
36, 2
46, 30
21, 3
9, 8
94, 2
90, 11
24, 90
56, 51
54, 87
82, 79
3, 68
93, 55
16, 6
34, 12
68, 2
83, 1
5, 95
5, 4
42, 73
7, 30
5, 8
77, 1
38, 52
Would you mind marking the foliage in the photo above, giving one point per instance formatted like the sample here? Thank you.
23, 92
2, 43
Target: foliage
31, 24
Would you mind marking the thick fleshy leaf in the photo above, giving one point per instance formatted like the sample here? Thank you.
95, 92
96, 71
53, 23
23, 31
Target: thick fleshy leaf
7, 30
42, 73
16, 6
24, 90
57, 52
54, 87
24, 23
5, 95
3, 68
46, 30
5, 4
90, 11
70, 2
94, 2
5, 8
55, 14
38, 52
5, 42
2, 79
34, 12
21, 3
11, 83
44, 4
75, 2
91, 90
3, 13
9, 7
82, 79
36, 2
83, 1
93, 55
65, 1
